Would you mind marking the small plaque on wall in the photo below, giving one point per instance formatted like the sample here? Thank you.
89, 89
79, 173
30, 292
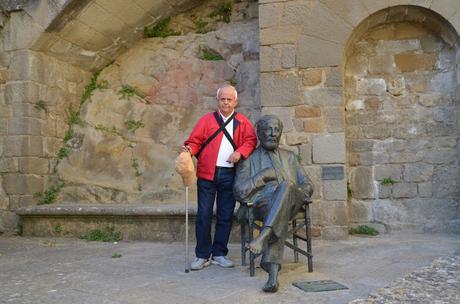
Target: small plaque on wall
332, 173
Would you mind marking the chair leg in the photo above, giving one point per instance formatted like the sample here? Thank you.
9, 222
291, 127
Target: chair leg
308, 233
243, 244
250, 238
294, 240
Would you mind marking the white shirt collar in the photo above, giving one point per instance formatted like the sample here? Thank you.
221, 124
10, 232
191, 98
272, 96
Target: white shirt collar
225, 118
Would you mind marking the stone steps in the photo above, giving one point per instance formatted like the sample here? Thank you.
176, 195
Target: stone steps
135, 222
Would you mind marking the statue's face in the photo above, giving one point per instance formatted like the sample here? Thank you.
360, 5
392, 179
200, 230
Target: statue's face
269, 134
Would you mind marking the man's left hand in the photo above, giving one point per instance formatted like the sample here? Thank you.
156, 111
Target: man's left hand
234, 157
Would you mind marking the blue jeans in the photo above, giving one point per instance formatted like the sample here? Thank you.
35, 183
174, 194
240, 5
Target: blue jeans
222, 185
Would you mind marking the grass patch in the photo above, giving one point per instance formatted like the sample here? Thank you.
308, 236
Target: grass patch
106, 234
363, 229
349, 192
223, 12
388, 181
116, 255
201, 26
135, 165
73, 117
133, 125
63, 152
211, 56
49, 195
69, 135
58, 228
161, 29
41, 106
103, 128
126, 92
88, 92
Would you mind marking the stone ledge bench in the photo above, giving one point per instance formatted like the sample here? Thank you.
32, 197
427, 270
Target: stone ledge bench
135, 222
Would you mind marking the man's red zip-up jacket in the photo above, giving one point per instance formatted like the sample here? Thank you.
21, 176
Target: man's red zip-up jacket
244, 137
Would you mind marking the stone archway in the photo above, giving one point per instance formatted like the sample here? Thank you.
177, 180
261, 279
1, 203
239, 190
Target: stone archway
402, 120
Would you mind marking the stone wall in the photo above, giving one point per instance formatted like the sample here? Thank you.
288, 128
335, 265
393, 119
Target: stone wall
304, 46
402, 118
111, 163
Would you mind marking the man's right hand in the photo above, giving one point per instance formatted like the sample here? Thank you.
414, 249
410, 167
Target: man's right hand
186, 149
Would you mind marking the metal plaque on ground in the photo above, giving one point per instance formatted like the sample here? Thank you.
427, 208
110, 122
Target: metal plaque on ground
315, 286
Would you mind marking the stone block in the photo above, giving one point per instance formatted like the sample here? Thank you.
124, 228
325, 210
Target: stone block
318, 21
441, 156
5, 75
307, 111
443, 82
371, 86
314, 125
8, 165
425, 189
404, 190
20, 32
305, 153
284, 114
334, 118
27, 65
388, 171
20, 201
361, 145
270, 14
270, 59
295, 139
280, 89
22, 183
445, 115
334, 190
312, 77
334, 233
362, 183
3, 126
415, 62
25, 126
288, 56
418, 172
33, 165
314, 52
359, 211
396, 85
406, 157
282, 34
27, 110
445, 181
384, 191
382, 64
329, 148
333, 77
23, 146
323, 97
397, 46
21, 92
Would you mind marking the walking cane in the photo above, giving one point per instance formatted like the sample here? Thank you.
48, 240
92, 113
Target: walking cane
185, 167
187, 265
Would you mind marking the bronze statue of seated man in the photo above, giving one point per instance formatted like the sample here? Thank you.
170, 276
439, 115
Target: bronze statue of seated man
272, 180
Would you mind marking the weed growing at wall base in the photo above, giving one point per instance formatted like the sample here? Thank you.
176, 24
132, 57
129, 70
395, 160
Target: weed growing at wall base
363, 229
49, 195
105, 234
133, 125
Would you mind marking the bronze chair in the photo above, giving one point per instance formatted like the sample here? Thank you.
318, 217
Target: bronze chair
245, 217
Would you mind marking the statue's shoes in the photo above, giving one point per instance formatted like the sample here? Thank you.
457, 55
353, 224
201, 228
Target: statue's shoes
199, 264
271, 287
222, 261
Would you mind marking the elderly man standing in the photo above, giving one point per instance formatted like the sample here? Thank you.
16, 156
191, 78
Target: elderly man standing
273, 181
219, 140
